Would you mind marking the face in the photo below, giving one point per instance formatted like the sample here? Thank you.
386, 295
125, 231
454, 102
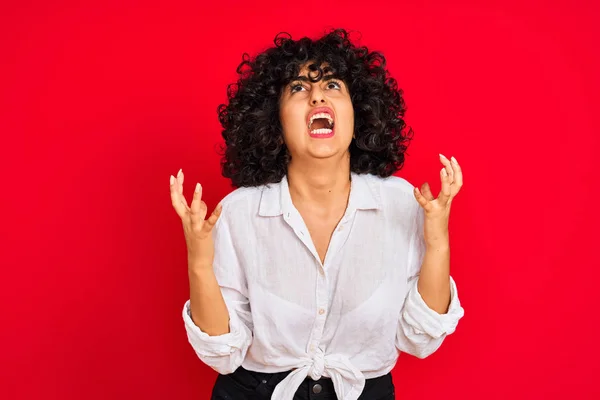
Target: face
317, 117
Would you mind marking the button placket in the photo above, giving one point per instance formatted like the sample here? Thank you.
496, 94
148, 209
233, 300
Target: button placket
322, 298
322, 292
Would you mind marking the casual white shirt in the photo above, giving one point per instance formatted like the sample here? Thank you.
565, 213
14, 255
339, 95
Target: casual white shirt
347, 318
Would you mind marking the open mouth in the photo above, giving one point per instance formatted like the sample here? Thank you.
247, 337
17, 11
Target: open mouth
321, 124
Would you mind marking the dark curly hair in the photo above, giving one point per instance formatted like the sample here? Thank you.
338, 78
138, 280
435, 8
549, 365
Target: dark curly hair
254, 152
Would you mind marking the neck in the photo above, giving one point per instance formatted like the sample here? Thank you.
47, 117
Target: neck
323, 183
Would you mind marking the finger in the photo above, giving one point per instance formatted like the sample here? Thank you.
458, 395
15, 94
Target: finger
180, 189
180, 181
198, 213
458, 175
444, 196
426, 190
175, 197
212, 220
448, 167
198, 209
423, 202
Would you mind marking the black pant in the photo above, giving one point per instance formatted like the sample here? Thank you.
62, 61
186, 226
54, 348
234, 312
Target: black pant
250, 385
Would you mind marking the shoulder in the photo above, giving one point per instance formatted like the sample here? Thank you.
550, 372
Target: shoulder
237, 206
241, 195
244, 203
396, 196
396, 184
394, 187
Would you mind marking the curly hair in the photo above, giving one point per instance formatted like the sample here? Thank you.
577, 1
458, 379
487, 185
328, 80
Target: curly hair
254, 152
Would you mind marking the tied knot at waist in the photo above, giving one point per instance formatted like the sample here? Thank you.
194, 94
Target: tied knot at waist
317, 368
348, 381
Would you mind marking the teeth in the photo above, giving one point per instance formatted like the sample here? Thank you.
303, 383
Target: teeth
321, 131
321, 115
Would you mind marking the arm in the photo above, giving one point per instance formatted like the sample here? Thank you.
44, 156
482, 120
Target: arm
422, 329
431, 309
217, 317
434, 277
207, 306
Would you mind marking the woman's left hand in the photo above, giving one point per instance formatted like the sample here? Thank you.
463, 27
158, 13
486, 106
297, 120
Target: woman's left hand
437, 211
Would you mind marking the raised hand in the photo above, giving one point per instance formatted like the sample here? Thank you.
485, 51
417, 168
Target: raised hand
197, 230
437, 210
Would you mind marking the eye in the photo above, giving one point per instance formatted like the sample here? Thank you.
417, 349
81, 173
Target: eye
334, 85
296, 87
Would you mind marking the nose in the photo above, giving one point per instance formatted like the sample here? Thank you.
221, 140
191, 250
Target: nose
317, 97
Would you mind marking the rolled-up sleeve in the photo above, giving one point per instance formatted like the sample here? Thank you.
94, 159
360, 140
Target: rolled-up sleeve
422, 330
224, 353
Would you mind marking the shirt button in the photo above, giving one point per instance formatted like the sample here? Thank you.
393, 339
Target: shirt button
321, 311
340, 228
317, 389
312, 347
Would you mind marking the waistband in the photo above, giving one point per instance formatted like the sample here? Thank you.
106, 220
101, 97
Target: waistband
264, 383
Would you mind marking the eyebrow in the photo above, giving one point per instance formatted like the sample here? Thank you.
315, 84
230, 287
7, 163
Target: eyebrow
324, 78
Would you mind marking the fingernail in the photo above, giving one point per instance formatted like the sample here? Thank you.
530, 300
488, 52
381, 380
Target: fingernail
454, 160
171, 180
444, 172
197, 189
442, 156
179, 173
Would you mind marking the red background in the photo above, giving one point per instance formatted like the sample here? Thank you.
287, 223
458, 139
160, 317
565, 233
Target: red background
99, 104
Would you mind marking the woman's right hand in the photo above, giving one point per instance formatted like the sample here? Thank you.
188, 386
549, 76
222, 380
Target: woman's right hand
197, 230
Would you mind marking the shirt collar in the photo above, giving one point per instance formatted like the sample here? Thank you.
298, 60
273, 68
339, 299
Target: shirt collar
365, 194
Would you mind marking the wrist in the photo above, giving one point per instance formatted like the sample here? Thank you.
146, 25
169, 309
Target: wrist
437, 245
200, 278
199, 267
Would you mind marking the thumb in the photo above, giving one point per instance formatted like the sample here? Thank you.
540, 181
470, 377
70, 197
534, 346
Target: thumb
212, 220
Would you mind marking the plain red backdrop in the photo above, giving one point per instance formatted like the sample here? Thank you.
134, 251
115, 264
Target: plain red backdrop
100, 103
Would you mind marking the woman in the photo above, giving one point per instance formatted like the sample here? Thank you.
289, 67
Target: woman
310, 278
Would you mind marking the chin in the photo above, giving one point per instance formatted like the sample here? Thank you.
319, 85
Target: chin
321, 148
324, 153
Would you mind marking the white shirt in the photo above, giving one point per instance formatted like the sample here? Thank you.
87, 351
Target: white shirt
347, 318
